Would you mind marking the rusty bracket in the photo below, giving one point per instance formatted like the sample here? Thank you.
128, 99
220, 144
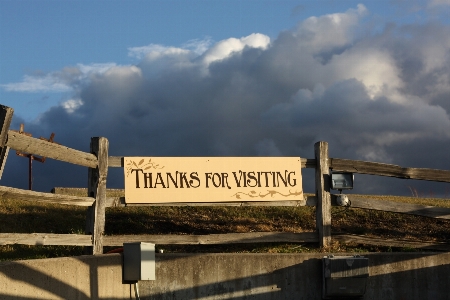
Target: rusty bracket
21, 131
31, 156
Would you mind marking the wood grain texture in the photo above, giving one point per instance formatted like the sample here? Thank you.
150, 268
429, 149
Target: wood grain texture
378, 241
34, 239
322, 184
45, 239
95, 219
214, 239
4, 151
6, 114
115, 161
44, 148
381, 169
18, 194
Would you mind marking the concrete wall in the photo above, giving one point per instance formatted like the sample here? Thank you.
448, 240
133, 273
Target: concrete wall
222, 276
83, 277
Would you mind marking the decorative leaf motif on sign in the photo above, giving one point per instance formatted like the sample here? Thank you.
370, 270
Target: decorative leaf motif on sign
271, 193
142, 165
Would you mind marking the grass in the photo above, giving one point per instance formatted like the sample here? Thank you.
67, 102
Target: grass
411, 200
30, 217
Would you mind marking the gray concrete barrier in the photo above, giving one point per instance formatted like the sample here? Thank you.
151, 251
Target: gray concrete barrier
222, 276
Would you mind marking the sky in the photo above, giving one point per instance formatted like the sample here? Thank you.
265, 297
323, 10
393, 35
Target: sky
231, 78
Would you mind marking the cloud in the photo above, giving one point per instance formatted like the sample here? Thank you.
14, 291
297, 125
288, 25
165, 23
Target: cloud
198, 46
327, 32
372, 95
434, 3
155, 51
60, 81
226, 48
71, 105
191, 48
44, 83
267, 147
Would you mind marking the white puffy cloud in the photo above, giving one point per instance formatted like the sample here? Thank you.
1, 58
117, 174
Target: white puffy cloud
374, 67
123, 72
318, 34
225, 48
373, 95
71, 105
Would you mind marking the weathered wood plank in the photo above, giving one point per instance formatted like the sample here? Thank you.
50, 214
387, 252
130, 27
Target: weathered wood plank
322, 184
18, 194
95, 220
308, 163
45, 239
117, 162
214, 239
358, 239
35, 146
4, 151
6, 114
406, 208
34, 239
381, 169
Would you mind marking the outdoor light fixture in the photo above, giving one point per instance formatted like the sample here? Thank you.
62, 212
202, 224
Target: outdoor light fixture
342, 181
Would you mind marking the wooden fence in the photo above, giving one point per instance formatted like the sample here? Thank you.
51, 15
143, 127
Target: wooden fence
99, 162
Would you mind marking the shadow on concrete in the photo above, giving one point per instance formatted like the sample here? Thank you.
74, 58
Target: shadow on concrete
299, 281
414, 276
22, 271
392, 276
249, 276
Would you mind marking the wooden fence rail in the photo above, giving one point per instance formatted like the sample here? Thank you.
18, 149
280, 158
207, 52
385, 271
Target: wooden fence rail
49, 239
35, 146
381, 169
98, 163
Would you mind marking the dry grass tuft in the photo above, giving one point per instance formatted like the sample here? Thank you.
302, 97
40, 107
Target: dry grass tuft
28, 217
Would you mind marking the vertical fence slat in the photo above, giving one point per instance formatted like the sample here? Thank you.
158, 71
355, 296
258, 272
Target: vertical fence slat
95, 221
6, 114
323, 208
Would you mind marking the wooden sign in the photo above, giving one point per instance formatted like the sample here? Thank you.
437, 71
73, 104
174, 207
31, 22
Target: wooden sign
212, 179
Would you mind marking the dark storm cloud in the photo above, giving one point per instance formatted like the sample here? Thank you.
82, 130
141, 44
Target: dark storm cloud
380, 96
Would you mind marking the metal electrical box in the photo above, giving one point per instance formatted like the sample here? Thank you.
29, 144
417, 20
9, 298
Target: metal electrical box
138, 261
345, 276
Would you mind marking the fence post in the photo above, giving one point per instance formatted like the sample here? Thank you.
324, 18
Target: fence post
95, 219
323, 208
6, 114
